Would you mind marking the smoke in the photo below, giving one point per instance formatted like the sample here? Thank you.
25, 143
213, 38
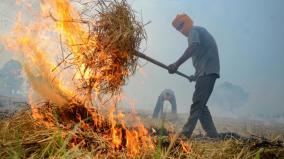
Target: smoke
228, 96
23, 44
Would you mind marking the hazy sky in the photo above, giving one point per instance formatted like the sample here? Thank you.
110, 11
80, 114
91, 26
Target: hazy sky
249, 35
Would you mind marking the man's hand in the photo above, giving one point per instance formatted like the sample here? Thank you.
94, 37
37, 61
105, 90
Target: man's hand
172, 68
192, 78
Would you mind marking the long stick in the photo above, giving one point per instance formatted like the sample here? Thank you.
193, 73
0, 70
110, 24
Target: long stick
139, 54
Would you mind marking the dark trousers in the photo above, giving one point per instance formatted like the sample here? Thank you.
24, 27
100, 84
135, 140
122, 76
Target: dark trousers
203, 89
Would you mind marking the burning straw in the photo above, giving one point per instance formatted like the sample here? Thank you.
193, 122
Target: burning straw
104, 55
97, 46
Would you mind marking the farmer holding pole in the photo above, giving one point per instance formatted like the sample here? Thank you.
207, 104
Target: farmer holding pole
203, 50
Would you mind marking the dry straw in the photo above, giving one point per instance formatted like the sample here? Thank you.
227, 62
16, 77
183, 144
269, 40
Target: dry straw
22, 137
107, 58
119, 35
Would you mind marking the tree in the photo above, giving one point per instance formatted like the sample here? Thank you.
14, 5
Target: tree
229, 96
11, 79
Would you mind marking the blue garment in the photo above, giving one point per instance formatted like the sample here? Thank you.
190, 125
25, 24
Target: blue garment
205, 58
168, 95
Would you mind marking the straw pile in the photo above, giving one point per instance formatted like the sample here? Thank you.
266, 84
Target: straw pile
119, 35
107, 58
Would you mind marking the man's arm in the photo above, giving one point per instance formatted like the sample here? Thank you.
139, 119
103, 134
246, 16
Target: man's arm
186, 55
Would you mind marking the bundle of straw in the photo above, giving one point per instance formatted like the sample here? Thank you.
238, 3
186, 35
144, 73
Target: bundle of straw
107, 58
119, 36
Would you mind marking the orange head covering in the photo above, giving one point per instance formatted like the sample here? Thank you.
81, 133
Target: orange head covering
182, 23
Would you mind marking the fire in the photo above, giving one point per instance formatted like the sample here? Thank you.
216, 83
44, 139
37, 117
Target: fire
69, 26
185, 147
28, 43
133, 140
58, 29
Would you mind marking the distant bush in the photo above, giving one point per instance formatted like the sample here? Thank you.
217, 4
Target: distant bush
229, 96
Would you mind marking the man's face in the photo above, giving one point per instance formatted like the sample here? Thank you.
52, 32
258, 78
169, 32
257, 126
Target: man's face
183, 24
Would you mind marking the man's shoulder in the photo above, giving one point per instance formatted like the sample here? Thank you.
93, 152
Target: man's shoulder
202, 32
197, 31
198, 28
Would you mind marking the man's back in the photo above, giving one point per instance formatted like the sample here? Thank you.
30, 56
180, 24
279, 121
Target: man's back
205, 58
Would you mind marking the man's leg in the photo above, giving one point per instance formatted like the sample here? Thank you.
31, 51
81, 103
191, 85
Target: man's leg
192, 120
207, 123
205, 116
203, 89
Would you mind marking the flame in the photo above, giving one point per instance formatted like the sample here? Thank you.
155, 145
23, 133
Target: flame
68, 24
35, 63
36, 44
185, 147
133, 140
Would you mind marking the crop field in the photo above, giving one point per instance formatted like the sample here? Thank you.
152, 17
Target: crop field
22, 137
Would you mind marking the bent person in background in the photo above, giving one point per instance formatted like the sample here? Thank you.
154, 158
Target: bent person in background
166, 95
203, 50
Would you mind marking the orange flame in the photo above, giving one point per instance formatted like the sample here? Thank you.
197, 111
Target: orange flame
134, 140
37, 46
185, 147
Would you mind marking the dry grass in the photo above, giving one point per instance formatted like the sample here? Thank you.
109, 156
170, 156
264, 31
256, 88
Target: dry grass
21, 136
67, 132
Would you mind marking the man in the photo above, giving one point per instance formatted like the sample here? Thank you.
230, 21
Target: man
166, 95
203, 50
